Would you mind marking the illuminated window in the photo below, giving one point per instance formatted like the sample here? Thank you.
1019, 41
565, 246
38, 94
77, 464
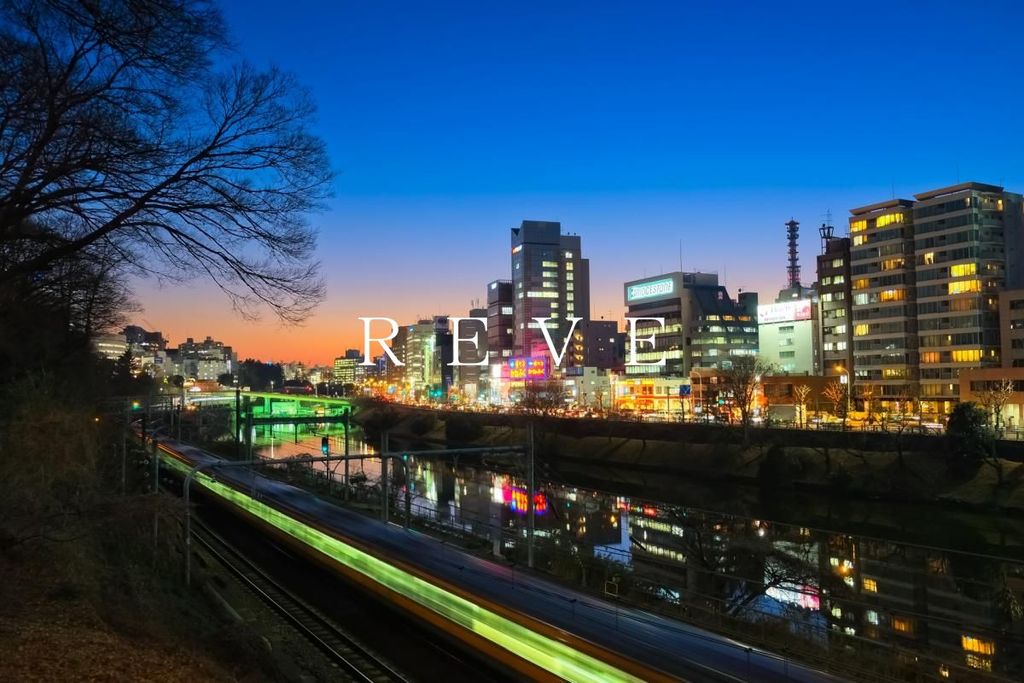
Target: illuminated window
859, 240
860, 330
929, 258
568, 254
888, 219
963, 269
870, 585
967, 355
872, 617
861, 283
568, 265
548, 264
903, 624
549, 274
892, 295
979, 663
893, 263
858, 226
977, 645
964, 286
930, 357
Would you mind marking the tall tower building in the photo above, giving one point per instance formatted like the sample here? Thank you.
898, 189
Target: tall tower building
885, 348
967, 239
835, 302
500, 321
550, 280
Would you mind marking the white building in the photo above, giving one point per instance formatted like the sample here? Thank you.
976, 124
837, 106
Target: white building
788, 334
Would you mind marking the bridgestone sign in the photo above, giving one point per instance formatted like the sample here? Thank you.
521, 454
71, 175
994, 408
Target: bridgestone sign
649, 290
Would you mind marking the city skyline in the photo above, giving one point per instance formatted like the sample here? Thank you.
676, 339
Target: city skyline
634, 130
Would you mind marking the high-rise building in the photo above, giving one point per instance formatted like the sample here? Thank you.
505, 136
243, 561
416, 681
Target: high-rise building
704, 326
835, 303
472, 379
426, 349
925, 282
885, 344
550, 280
967, 240
500, 321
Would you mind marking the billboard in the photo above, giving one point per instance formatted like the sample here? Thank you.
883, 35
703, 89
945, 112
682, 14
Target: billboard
528, 368
788, 311
650, 289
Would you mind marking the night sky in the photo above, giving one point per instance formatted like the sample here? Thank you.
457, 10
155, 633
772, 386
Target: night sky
637, 125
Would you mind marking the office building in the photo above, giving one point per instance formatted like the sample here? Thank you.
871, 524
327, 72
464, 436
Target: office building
205, 360
704, 326
967, 242
788, 337
472, 379
426, 349
500, 321
835, 304
347, 368
1011, 327
885, 344
550, 280
602, 344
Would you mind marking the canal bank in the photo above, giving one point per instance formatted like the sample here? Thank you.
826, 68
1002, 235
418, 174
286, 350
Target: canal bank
898, 467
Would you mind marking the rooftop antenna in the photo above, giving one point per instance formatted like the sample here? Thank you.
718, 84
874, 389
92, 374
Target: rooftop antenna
827, 230
793, 269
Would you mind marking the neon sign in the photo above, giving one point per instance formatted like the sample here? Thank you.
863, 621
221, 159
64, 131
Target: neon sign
529, 368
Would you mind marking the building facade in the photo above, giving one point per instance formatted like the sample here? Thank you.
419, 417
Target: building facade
835, 304
704, 326
788, 337
885, 344
962, 234
550, 280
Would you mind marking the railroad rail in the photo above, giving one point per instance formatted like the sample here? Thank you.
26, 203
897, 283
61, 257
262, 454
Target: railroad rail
342, 650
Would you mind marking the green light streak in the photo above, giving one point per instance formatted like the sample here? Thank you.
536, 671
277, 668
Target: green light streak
547, 653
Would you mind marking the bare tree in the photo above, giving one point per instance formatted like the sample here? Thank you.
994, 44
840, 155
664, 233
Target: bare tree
118, 137
994, 399
542, 397
800, 394
836, 393
740, 381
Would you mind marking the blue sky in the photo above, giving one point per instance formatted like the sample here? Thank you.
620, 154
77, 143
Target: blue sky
638, 125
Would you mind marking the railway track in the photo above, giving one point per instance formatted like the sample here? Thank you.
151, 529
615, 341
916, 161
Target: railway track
342, 650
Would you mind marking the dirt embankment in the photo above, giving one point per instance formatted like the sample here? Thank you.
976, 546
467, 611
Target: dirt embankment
885, 466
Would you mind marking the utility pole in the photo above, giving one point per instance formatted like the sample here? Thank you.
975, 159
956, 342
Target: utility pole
384, 477
530, 486
124, 446
238, 419
348, 416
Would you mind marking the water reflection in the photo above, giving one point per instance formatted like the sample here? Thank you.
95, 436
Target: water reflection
881, 607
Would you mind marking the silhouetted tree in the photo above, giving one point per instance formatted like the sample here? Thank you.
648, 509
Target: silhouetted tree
118, 138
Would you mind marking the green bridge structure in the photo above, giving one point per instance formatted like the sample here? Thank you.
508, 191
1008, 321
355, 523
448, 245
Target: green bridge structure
286, 412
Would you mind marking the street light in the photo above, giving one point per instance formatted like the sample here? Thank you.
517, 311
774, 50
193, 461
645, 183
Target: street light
849, 386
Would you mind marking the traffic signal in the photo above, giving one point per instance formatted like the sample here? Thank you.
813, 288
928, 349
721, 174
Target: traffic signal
325, 445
